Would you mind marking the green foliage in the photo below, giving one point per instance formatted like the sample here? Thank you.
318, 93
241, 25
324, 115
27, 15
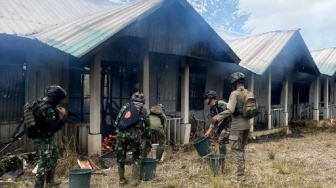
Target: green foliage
223, 14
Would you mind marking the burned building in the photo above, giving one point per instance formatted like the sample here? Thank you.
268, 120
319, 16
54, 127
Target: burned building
281, 70
325, 60
99, 56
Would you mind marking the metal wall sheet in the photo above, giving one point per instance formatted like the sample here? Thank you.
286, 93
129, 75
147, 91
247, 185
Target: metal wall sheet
164, 78
11, 92
325, 60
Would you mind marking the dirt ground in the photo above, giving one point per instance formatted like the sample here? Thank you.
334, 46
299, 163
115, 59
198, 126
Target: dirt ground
305, 160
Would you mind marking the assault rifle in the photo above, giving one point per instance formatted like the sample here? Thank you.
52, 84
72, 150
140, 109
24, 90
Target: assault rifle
18, 135
224, 124
15, 136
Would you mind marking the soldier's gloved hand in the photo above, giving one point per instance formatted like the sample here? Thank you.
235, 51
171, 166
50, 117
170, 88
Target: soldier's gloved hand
214, 119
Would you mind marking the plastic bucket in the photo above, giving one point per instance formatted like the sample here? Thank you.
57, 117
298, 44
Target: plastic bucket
216, 163
79, 178
148, 168
202, 146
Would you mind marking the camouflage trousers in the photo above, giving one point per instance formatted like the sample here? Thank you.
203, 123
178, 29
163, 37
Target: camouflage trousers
223, 139
47, 153
129, 140
158, 135
238, 140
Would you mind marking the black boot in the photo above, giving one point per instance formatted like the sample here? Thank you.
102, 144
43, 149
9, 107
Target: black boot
50, 179
135, 175
122, 179
39, 182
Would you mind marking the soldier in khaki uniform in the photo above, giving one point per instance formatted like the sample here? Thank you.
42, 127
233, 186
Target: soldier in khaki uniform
158, 117
240, 126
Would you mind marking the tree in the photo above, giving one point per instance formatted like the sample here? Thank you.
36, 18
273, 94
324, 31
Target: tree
223, 14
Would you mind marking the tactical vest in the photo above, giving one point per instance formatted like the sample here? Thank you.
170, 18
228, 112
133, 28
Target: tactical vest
158, 112
37, 127
216, 109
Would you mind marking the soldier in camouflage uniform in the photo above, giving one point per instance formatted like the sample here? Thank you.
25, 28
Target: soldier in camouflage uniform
158, 120
132, 125
216, 107
240, 127
48, 119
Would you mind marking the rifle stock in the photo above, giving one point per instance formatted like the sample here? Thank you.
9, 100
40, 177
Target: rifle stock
224, 124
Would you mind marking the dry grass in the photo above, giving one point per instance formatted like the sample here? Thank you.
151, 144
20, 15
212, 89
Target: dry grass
284, 162
68, 159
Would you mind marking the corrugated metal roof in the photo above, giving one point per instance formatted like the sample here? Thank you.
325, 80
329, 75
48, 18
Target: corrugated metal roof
259, 51
325, 60
26, 17
80, 36
228, 35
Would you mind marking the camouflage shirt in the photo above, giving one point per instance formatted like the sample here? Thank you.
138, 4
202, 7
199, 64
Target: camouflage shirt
216, 109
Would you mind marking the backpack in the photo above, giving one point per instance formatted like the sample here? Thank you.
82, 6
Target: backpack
250, 106
28, 115
130, 117
31, 111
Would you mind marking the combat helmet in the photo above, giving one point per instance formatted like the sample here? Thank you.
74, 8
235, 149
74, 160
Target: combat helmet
162, 106
210, 95
55, 92
138, 97
237, 76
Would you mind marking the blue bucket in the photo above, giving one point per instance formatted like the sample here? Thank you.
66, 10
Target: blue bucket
202, 146
148, 168
216, 163
79, 178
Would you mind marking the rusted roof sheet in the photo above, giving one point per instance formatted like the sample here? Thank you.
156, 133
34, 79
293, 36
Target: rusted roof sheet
84, 35
325, 60
27, 17
259, 51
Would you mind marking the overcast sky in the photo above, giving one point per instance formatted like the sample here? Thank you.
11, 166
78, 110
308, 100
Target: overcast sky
315, 18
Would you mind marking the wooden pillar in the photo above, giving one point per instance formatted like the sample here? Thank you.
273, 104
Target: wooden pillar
251, 88
94, 139
316, 99
146, 75
184, 131
285, 87
268, 100
185, 93
326, 98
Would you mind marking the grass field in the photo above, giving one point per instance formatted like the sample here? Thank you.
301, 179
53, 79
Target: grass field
308, 160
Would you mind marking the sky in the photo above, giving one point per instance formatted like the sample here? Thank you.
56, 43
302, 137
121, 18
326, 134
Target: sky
315, 18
